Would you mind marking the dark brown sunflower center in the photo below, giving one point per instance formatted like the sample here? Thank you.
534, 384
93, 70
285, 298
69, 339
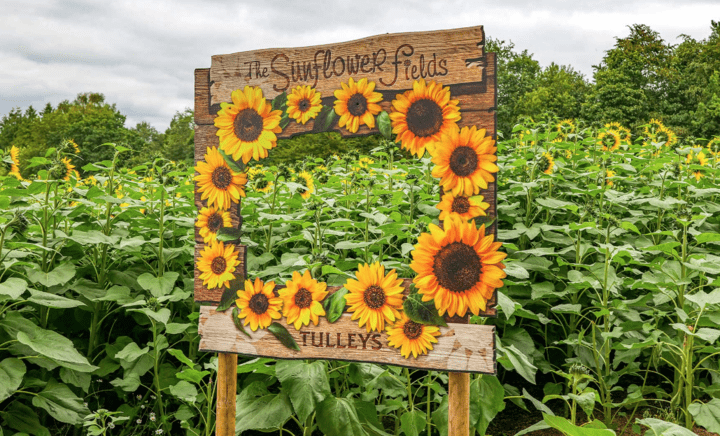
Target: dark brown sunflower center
259, 304
248, 125
412, 330
215, 222
304, 105
303, 298
221, 177
457, 267
218, 265
374, 297
357, 105
463, 161
424, 118
461, 205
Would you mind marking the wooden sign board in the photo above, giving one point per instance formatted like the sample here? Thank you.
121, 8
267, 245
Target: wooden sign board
395, 64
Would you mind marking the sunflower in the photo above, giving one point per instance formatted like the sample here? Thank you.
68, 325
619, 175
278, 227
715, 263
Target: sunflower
74, 146
220, 185
248, 125
411, 337
15, 167
422, 114
464, 161
713, 146
258, 304
217, 264
564, 128
622, 131
652, 127
357, 104
466, 208
306, 180
210, 220
303, 104
609, 175
69, 168
263, 185
374, 297
546, 163
458, 267
301, 299
609, 139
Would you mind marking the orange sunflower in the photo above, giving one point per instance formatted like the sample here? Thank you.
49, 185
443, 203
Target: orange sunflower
609, 139
305, 179
258, 304
304, 104
374, 297
458, 267
210, 220
15, 167
466, 208
302, 298
464, 161
422, 114
248, 125
217, 264
412, 337
357, 104
220, 185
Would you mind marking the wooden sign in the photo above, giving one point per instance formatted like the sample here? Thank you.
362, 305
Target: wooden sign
437, 92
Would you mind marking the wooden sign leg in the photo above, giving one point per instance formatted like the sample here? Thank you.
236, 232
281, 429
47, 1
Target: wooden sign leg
226, 392
459, 404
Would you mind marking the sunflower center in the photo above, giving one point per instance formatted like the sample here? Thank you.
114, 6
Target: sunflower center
221, 177
412, 330
424, 118
303, 298
304, 105
248, 125
357, 105
463, 161
457, 267
460, 205
215, 222
259, 304
218, 265
374, 297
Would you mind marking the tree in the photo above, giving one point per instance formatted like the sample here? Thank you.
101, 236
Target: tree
179, 138
559, 91
150, 143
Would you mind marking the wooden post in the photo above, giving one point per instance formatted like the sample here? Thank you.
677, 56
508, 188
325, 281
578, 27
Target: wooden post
459, 404
226, 392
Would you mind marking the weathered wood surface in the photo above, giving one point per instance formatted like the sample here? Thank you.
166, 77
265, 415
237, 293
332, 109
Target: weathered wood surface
461, 347
226, 392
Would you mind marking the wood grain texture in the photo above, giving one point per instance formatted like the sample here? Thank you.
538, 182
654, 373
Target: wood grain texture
202, 97
458, 404
226, 392
461, 347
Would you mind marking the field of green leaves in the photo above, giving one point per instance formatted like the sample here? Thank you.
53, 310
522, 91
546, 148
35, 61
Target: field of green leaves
610, 307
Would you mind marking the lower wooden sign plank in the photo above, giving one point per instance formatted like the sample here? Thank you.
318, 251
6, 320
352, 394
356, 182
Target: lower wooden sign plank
460, 347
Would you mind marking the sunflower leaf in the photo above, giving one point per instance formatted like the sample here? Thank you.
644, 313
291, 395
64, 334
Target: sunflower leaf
324, 119
225, 234
229, 294
236, 166
334, 305
284, 120
383, 123
280, 102
422, 312
238, 323
281, 333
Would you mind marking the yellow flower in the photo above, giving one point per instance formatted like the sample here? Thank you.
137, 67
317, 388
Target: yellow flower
217, 264
623, 132
248, 125
217, 182
421, 115
357, 104
411, 337
306, 180
464, 161
263, 185
609, 139
564, 128
609, 175
374, 298
302, 299
15, 167
466, 208
547, 163
258, 304
303, 104
74, 146
69, 168
209, 221
459, 267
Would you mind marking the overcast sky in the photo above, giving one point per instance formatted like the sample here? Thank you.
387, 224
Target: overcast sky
141, 55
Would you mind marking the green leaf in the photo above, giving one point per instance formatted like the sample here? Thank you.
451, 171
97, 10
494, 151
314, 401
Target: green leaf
567, 428
14, 287
61, 403
412, 423
487, 394
707, 414
280, 102
334, 305
158, 286
659, 427
325, 119
306, 384
11, 374
707, 237
56, 347
129, 383
520, 362
76, 378
226, 234
567, 308
337, 417
162, 316
22, 418
58, 276
51, 300
238, 323
349, 245
259, 410
131, 352
173, 328
553, 203
586, 401
384, 126
179, 355
281, 333
422, 312
230, 294
236, 166
184, 391
192, 375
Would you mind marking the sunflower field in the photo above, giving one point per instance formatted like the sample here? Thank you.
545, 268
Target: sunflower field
607, 319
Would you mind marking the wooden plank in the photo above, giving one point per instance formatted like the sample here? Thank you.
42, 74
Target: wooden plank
226, 391
202, 97
461, 347
459, 404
